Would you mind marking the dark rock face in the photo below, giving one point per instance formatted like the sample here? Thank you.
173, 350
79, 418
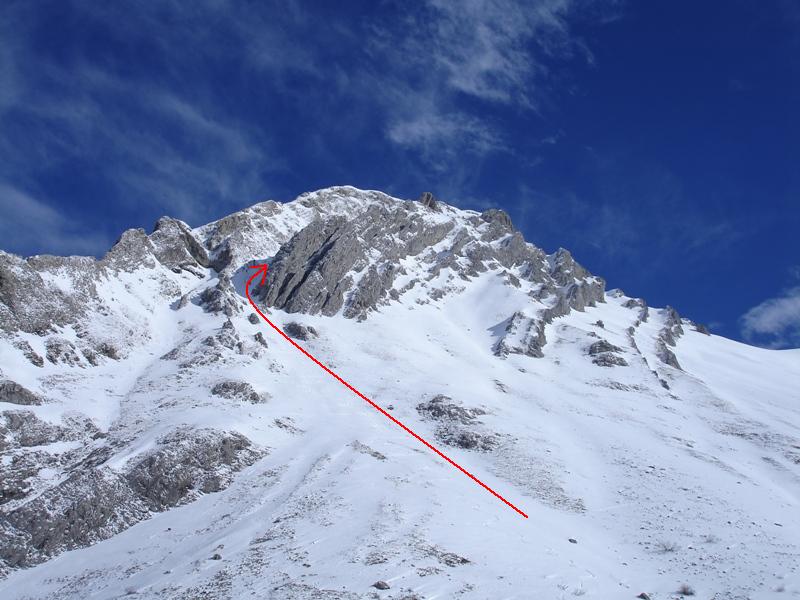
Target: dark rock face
369, 291
564, 269
14, 393
350, 263
60, 350
635, 303
583, 294
499, 218
609, 359
603, 346
666, 355
28, 352
644, 311
309, 273
442, 408
225, 337
133, 250
259, 337
16, 476
524, 335
95, 502
300, 332
175, 246
84, 509
23, 428
188, 462
467, 440
605, 354
672, 326
511, 279
108, 350
456, 425
666, 337
221, 298
238, 390
314, 271
428, 200
27, 303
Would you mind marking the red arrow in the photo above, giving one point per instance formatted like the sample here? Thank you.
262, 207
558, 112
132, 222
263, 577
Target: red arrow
262, 270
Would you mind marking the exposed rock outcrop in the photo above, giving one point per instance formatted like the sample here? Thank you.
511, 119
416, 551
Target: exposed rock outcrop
28, 352
606, 354
95, 502
672, 326
63, 351
442, 408
609, 359
300, 332
456, 425
666, 337
221, 298
523, 335
499, 218
310, 273
83, 509
641, 305
238, 390
666, 355
603, 346
175, 246
428, 200
14, 393
22, 428
189, 462
350, 263
564, 269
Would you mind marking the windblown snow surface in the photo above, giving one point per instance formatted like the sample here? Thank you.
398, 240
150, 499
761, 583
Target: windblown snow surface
637, 479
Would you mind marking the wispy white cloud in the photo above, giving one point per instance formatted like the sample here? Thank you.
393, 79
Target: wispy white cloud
493, 49
494, 52
774, 323
26, 220
162, 135
440, 137
156, 144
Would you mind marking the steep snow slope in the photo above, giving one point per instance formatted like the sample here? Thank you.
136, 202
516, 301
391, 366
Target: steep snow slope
172, 446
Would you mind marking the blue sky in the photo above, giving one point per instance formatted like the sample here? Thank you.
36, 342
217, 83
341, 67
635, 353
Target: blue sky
656, 140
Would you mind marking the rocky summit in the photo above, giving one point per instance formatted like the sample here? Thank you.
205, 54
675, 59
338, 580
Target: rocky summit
160, 440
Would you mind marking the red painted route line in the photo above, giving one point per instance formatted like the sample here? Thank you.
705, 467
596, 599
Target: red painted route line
262, 270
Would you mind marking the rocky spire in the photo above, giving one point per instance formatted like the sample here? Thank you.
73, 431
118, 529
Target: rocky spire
428, 200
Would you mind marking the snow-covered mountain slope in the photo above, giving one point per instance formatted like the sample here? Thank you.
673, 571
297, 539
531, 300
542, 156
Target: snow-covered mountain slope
159, 440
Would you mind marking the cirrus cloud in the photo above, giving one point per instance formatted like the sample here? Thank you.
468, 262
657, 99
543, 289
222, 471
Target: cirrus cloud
775, 323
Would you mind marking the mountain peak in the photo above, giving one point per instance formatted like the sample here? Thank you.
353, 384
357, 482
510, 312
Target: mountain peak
141, 392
